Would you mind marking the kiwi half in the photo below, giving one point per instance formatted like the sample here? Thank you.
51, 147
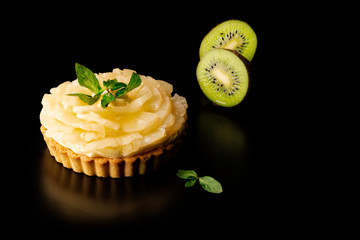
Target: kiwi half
223, 77
234, 35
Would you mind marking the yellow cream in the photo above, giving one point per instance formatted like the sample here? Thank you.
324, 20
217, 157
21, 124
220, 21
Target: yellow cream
145, 118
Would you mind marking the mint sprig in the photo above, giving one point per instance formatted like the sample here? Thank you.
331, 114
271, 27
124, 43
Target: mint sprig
87, 79
208, 183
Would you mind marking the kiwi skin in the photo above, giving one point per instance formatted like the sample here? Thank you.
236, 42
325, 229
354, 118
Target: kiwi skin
218, 97
247, 63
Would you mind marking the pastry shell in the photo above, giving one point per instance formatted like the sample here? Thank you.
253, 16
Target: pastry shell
109, 167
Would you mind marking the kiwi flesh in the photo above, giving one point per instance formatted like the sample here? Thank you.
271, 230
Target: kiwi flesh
234, 35
223, 77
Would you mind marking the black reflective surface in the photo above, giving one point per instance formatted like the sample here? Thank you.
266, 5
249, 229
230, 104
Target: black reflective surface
77, 199
216, 144
253, 149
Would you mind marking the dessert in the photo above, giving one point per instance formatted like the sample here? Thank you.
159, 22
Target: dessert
126, 136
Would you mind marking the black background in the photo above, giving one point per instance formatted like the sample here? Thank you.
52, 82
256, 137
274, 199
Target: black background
256, 149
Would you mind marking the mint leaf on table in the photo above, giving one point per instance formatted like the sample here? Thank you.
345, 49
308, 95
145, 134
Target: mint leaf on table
191, 182
186, 174
87, 79
208, 183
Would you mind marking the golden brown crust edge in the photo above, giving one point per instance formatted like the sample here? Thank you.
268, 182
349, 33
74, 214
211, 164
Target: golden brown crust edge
108, 167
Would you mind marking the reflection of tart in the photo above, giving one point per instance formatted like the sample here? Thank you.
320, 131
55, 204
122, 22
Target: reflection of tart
135, 133
77, 199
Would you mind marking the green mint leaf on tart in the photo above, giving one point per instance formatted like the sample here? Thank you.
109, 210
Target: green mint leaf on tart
118, 85
113, 84
95, 98
107, 99
208, 183
87, 98
121, 92
87, 78
134, 82
84, 97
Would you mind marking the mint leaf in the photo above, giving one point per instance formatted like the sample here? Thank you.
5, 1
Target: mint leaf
86, 98
118, 85
134, 82
87, 78
191, 181
95, 98
210, 184
186, 174
120, 92
107, 99
113, 84
83, 97
109, 83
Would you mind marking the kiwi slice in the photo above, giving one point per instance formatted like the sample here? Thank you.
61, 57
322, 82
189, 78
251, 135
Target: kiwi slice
234, 35
223, 77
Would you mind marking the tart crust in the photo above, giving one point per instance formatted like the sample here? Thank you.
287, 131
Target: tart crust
109, 167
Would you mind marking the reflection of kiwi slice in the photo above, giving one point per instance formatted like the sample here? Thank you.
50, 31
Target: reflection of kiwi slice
223, 77
233, 35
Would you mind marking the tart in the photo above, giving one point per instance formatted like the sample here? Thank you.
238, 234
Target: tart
133, 135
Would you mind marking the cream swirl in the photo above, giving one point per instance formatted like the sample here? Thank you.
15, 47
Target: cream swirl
145, 118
